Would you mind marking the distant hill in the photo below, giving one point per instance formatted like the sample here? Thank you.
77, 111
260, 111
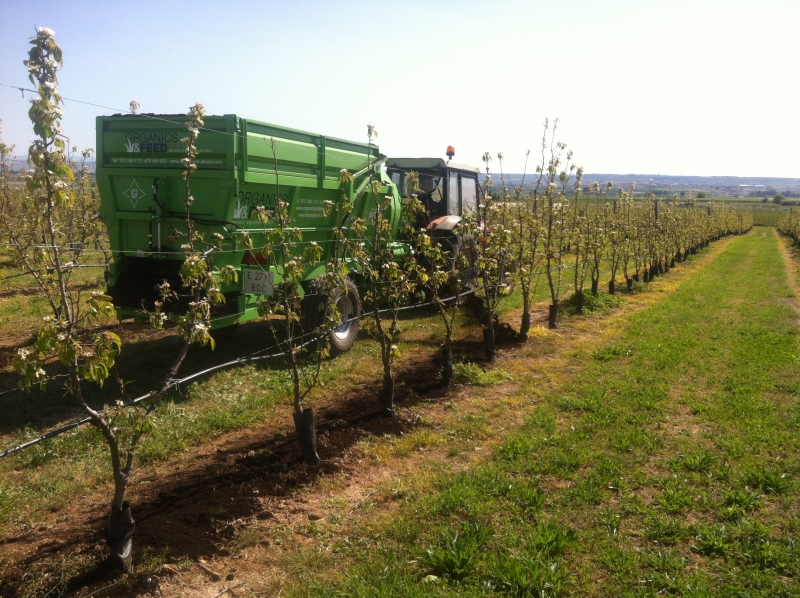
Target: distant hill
663, 184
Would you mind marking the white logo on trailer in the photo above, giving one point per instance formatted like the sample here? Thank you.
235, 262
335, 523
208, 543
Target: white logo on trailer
134, 193
241, 212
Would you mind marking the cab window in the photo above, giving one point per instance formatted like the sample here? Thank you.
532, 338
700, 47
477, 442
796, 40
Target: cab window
431, 195
469, 194
452, 194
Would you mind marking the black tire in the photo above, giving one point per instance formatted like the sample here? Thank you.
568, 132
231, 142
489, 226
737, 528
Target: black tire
316, 306
225, 334
508, 283
462, 254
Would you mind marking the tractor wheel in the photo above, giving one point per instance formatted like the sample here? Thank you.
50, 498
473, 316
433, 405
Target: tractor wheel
507, 283
462, 254
317, 305
225, 334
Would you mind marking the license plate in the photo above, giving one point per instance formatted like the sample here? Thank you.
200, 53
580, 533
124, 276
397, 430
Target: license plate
257, 282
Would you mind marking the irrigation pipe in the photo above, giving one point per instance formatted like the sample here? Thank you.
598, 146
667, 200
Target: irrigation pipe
238, 361
172, 384
363, 315
176, 383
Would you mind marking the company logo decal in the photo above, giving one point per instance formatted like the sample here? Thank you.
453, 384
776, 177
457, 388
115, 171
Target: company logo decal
241, 212
134, 193
248, 202
149, 142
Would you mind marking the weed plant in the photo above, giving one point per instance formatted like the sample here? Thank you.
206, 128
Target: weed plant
471, 373
590, 304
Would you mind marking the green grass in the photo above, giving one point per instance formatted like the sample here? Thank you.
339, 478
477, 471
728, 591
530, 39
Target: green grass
591, 304
668, 466
21, 306
471, 373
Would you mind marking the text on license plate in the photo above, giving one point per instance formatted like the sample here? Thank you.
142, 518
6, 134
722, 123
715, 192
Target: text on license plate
258, 282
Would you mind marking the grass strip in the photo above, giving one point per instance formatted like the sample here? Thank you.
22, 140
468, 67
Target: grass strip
667, 465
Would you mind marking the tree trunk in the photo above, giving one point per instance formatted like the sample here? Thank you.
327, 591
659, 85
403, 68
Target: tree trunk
525, 327
306, 435
579, 299
552, 321
386, 398
120, 536
612, 286
629, 282
595, 286
488, 344
447, 363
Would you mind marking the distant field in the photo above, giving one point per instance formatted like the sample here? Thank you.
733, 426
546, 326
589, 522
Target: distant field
750, 201
764, 213
767, 217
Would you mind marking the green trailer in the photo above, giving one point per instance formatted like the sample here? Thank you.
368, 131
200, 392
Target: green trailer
242, 165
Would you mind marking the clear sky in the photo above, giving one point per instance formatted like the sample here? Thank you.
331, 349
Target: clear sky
697, 87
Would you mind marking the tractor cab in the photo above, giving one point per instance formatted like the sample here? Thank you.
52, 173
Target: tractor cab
446, 189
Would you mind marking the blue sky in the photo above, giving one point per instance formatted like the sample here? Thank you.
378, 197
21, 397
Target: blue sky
700, 87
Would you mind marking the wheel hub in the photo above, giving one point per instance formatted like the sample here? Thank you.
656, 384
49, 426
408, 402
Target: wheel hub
345, 307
